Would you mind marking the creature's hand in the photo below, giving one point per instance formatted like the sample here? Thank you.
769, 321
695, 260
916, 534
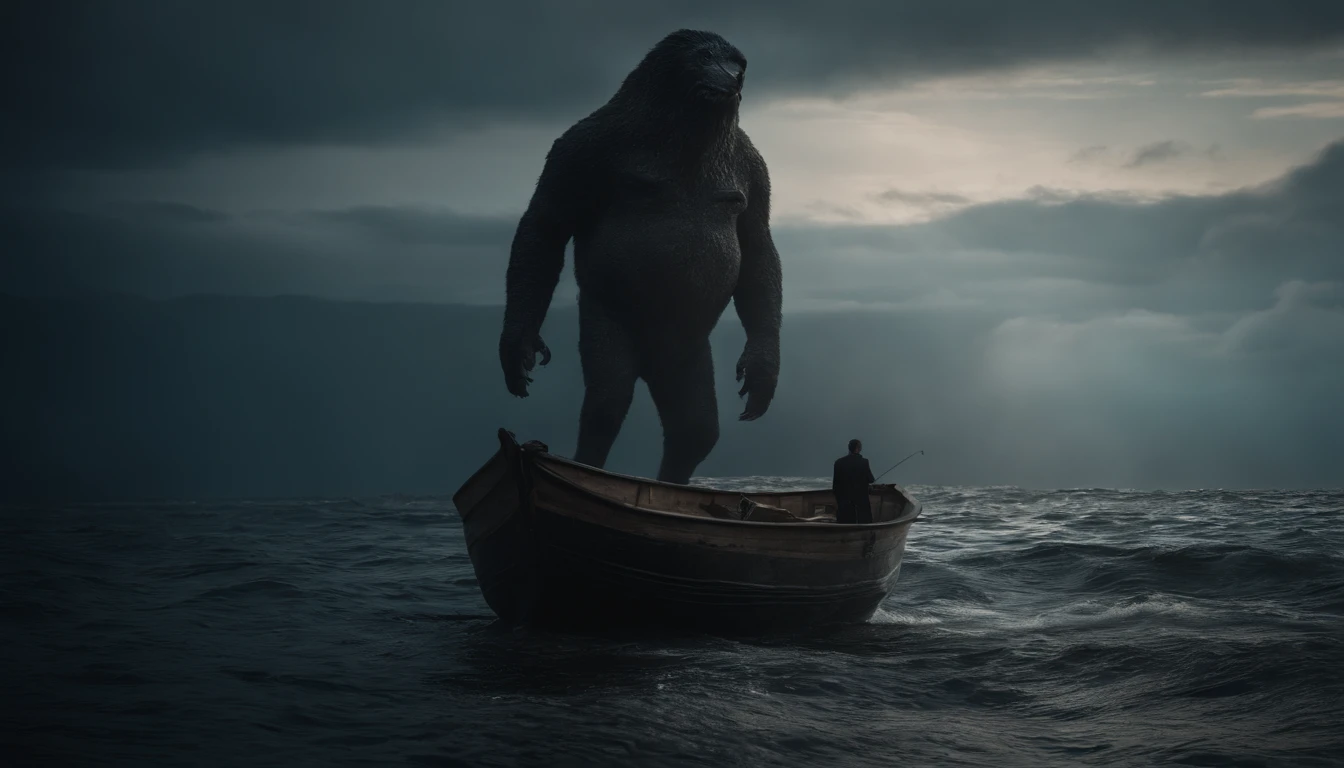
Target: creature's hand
518, 355
758, 370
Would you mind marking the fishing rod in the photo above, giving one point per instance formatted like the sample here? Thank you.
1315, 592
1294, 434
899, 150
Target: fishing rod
897, 464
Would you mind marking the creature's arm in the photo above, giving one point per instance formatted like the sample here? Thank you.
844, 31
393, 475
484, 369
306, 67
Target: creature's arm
759, 293
536, 259
867, 468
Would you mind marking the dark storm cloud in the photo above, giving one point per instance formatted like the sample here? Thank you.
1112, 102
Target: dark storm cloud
137, 82
1157, 152
149, 249
1289, 229
1050, 342
1243, 243
161, 211
162, 250
406, 226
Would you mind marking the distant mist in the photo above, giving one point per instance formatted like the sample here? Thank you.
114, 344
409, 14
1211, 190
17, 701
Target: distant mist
127, 398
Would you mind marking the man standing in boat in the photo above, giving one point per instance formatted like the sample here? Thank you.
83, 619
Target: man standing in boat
850, 483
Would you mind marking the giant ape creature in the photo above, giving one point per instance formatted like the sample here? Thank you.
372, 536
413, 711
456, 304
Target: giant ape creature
668, 204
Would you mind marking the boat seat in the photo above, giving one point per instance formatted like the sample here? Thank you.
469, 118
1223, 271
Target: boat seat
721, 512
755, 512
764, 513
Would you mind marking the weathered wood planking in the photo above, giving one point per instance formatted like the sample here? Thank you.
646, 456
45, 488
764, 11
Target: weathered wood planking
559, 543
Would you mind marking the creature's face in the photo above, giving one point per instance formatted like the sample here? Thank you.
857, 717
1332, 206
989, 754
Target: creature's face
721, 71
705, 64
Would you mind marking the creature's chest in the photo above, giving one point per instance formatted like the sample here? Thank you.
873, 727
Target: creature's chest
714, 188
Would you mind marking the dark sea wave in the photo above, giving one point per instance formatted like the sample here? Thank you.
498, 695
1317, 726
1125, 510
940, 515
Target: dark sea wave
1079, 627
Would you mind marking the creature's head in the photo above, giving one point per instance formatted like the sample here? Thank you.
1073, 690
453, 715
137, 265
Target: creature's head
855, 446
699, 65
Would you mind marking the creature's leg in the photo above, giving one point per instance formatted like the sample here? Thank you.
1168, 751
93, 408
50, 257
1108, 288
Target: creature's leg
684, 395
610, 365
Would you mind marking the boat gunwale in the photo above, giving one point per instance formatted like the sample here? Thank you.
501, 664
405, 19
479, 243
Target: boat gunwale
677, 486
839, 527
480, 471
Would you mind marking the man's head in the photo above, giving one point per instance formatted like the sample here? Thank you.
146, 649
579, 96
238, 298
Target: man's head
855, 446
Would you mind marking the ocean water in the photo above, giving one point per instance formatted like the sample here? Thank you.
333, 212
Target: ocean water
1083, 627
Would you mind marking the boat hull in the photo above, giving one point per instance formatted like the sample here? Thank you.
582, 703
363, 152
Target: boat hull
550, 551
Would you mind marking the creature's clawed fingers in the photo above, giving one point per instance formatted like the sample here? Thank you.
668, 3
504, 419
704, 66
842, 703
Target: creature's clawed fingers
518, 381
750, 384
755, 408
758, 383
518, 359
544, 350
751, 390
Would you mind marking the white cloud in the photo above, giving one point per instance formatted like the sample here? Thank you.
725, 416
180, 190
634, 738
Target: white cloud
1329, 95
1065, 83
943, 143
1315, 109
1259, 88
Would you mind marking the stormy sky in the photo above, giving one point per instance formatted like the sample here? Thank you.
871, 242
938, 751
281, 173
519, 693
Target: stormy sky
1074, 235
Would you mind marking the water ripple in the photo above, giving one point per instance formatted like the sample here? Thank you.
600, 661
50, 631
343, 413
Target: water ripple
1070, 627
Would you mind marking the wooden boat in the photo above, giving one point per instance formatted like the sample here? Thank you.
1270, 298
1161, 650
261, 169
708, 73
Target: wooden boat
557, 543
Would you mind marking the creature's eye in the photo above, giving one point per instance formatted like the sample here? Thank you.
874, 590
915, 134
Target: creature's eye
732, 67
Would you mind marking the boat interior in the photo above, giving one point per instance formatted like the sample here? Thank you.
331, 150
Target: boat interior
811, 506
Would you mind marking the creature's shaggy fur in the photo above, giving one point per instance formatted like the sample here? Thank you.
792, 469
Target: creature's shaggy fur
668, 204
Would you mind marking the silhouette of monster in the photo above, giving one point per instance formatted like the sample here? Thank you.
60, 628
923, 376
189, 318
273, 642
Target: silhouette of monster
668, 204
